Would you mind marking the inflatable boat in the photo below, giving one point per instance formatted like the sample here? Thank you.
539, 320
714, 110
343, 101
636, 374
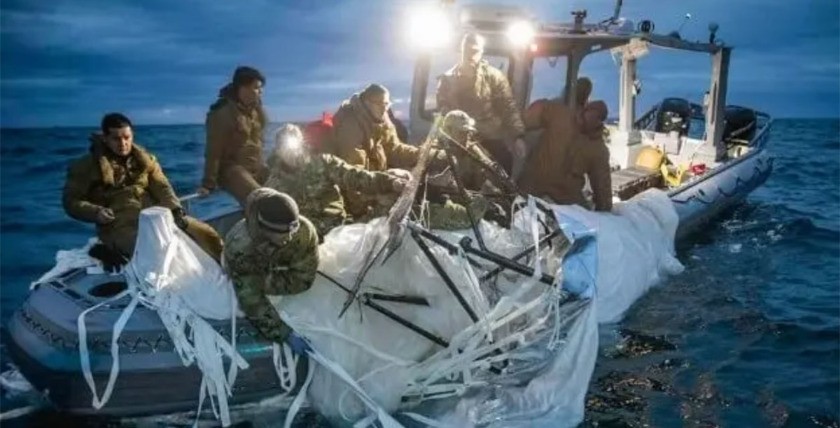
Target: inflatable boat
703, 170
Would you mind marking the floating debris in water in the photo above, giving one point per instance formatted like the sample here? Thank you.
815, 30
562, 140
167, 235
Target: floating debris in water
635, 344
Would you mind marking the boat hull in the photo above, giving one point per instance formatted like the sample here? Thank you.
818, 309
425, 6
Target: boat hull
42, 338
704, 199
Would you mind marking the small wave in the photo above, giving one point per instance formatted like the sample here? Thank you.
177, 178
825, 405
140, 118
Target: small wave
189, 146
18, 150
68, 151
52, 167
39, 226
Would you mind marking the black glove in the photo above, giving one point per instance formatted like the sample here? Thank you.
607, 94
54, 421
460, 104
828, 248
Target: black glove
180, 218
111, 259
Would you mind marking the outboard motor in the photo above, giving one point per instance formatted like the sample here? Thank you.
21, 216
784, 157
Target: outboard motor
674, 115
740, 123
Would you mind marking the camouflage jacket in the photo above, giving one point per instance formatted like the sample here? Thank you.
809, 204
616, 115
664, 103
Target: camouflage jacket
234, 137
317, 187
126, 185
487, 99
259, 268
470, 157
361, 140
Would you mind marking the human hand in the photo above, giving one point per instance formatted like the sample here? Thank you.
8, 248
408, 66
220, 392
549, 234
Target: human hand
180, 218
105, 216
400, 173
398, 184
298, 343
202, 191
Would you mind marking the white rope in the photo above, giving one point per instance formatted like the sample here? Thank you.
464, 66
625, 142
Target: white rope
84, 355
16, 413
298, 401
468, 341
286, 373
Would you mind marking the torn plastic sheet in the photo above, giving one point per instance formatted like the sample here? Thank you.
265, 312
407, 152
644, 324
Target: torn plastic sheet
635, 247
527, 361
170, 274
388, 361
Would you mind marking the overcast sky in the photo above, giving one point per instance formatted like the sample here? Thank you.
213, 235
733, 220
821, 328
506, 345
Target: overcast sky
67, 62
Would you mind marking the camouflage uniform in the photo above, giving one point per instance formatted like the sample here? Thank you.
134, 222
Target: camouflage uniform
259, 268
361, 140
488, 99
318, 184
126, 185
233, 154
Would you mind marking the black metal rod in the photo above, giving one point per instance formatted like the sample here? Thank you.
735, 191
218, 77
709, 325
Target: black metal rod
405, 323
521, 254
402, 298
463, 191
498, 174
446, 279
466, 244
394, 317
452, 248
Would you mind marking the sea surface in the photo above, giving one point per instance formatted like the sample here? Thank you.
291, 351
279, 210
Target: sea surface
747, 336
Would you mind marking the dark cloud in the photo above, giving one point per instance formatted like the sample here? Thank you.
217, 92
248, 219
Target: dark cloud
162, 61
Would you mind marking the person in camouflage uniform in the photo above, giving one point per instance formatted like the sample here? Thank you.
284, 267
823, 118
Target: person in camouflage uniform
114, 182
447, 207
483, 92
316, 181
234, 126
272, 251
474, 163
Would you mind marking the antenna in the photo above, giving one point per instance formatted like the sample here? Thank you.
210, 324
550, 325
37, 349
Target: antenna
713, 27
616, 14
617, 11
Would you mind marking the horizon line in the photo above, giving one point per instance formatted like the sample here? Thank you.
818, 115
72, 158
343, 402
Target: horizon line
21, 128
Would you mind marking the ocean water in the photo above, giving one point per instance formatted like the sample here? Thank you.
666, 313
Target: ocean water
749, 335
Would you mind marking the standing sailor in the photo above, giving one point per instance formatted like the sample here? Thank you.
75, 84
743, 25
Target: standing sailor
483, 92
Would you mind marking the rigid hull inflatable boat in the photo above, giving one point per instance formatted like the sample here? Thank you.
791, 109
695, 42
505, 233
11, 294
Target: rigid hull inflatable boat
702, 172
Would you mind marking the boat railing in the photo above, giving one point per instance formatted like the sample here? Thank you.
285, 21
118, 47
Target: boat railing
765, 122
186, 201
647, 119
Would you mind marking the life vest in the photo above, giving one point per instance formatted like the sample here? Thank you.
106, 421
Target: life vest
316, 133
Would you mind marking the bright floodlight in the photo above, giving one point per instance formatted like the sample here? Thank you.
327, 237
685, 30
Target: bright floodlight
291, 142
428, 28
521, 33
